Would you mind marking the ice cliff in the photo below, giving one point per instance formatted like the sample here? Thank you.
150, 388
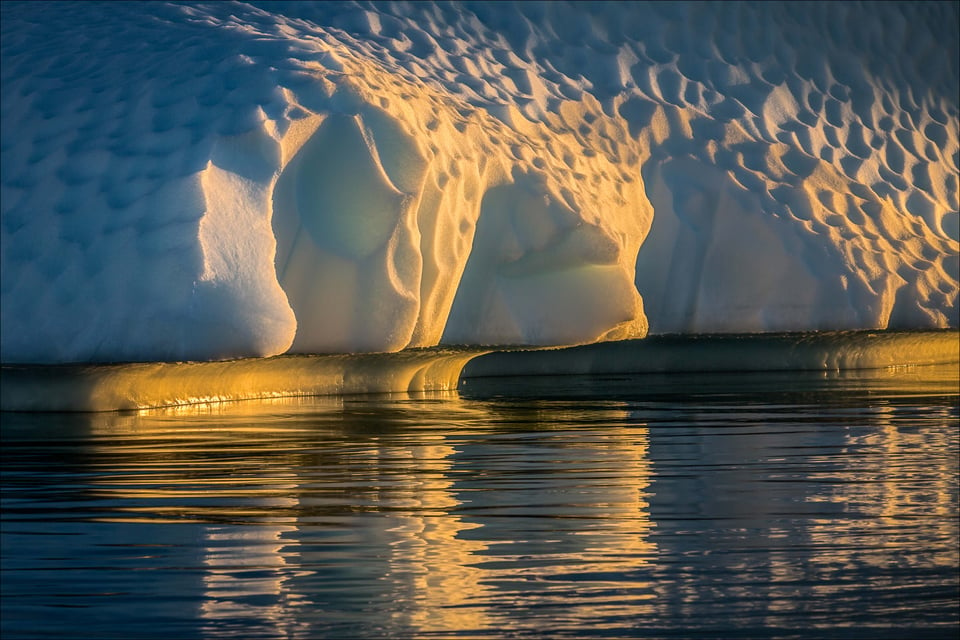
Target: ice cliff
215, 180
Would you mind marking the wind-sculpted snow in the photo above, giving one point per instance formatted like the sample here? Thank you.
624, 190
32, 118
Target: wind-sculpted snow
205, 181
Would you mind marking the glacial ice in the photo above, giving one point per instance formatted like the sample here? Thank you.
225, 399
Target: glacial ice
202, 181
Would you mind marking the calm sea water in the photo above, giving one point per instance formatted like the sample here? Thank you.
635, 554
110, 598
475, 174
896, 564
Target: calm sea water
701, 506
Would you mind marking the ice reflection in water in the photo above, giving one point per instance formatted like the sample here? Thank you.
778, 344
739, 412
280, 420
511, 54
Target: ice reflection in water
711, 506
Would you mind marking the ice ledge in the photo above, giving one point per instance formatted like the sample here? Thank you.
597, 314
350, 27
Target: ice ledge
137, 386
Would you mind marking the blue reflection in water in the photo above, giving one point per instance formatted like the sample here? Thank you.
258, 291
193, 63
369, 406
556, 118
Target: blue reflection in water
771, 505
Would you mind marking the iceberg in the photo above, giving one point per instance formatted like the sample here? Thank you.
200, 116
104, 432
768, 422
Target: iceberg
208, 181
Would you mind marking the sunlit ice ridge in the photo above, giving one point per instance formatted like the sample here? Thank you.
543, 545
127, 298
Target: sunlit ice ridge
213, 181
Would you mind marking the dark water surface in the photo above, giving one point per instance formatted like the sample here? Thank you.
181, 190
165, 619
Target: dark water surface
704, 506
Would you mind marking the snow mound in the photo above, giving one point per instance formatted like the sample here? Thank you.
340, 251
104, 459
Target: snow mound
208, 181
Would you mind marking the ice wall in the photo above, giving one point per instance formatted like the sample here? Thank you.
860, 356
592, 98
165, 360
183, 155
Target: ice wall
204, 181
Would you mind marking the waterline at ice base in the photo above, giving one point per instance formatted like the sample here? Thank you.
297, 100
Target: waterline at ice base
896, 357
248, 183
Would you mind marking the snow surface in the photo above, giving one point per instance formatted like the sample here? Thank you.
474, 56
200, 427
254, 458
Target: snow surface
216, 180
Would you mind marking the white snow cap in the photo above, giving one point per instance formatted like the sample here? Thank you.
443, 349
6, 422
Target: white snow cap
217, 180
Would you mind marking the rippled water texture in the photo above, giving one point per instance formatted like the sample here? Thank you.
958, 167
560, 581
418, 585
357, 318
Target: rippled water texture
749, 505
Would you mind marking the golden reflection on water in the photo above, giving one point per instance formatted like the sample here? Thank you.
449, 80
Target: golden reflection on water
430, 562
235, 562
875, 518
440, 578
923, 497
409, 491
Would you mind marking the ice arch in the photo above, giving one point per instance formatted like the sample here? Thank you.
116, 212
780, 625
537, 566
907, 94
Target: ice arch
539, 274
347, 254
716, 261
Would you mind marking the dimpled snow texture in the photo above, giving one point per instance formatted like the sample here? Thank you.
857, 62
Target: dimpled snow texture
207, 181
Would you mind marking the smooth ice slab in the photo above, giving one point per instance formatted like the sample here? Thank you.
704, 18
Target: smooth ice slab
675, 353
144, 385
